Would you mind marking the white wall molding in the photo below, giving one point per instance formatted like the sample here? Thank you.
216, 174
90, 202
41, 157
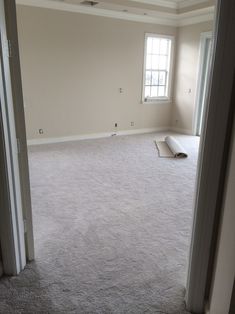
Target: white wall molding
196, 16
53, 140
189, 3
161, 18
181, 131
160, 3
180, 4
196, 19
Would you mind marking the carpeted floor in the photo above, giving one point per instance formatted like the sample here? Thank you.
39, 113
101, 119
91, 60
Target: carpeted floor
112, 226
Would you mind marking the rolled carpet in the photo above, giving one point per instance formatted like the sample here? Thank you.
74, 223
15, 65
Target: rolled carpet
170, 148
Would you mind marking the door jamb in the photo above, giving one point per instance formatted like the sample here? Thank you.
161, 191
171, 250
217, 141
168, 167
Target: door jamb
11, 216
203, 37
214, 155
18, 103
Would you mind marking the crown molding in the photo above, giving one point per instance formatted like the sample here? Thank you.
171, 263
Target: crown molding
62, 6
177, 4
196, 16
169, 19
189, 3
160, 3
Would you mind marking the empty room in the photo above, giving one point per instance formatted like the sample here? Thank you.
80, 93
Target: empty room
114, 107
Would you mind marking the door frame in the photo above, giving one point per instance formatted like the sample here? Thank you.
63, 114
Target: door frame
11, 214
18, 104
202, 54
213, 159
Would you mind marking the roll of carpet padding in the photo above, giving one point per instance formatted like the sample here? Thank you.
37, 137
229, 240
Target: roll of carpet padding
170, 147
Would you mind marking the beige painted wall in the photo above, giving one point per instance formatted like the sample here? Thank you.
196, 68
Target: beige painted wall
186, 74
72, 68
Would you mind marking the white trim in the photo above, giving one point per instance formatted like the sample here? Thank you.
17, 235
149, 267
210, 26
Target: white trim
93, 136
162, 18
172, 4
196, 20
189, 3
159, 100
203, 37
182, 131
160, 3
196, 16
13, 210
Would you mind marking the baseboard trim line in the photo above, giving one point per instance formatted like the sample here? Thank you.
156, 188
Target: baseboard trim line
94, 136
181, 131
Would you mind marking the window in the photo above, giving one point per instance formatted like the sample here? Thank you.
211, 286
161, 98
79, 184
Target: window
157, 68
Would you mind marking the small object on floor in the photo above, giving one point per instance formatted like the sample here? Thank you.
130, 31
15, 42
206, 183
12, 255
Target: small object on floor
170, 148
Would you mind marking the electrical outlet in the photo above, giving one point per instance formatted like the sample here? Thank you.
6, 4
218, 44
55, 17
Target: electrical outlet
132, 123
40, 131
115, 125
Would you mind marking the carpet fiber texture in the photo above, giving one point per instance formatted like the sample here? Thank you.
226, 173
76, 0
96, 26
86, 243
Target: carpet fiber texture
112, 225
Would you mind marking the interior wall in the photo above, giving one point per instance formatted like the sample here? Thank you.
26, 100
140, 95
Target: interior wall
72, 68
186, 73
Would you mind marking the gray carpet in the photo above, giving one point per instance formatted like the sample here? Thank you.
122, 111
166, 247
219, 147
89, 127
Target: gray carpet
112, 226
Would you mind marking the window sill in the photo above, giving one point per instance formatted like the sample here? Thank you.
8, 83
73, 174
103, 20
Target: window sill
157, 101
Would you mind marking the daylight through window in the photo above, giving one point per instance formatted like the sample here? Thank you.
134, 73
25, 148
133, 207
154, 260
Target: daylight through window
157, 67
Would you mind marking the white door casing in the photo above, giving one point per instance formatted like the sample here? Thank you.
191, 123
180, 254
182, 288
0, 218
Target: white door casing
11, 216
204, 67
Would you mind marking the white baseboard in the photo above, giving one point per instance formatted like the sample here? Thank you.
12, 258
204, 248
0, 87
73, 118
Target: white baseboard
181, 131
93, 136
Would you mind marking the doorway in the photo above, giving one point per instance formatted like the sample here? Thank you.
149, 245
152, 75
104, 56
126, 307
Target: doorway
199, 130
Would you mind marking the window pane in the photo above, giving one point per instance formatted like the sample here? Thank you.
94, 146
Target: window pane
161, 91
162, 63
162, 78
147, 92
157, 67
154, 78
148, 62
148, 78
156, 46
149, 45
154, 91
155, 61
164, 47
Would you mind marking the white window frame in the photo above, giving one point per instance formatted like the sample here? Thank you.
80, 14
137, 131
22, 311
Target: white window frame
164, 99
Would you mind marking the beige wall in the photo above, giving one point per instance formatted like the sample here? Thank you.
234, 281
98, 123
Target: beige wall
72, 68
186, 73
